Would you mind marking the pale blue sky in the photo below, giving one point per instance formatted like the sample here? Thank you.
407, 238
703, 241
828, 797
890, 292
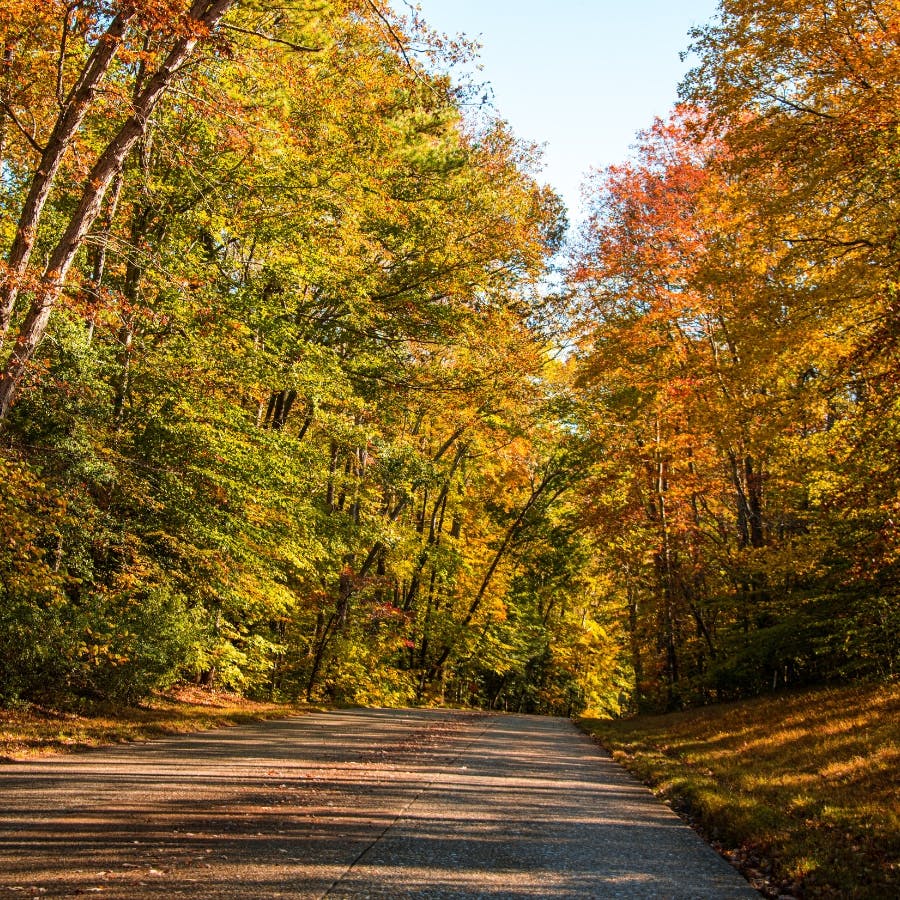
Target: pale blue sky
582, 76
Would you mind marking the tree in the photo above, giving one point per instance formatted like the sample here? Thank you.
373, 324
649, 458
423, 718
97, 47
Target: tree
305, 317
199, 20
735, 277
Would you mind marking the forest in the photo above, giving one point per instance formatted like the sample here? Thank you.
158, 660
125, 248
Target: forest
309, 391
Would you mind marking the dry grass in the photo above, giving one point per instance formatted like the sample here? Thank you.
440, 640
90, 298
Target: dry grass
38, 731
800, 790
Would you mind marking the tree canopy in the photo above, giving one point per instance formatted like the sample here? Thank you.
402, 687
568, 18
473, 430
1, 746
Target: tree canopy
295, 400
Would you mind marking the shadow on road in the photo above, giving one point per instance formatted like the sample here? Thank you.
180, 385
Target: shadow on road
365, 803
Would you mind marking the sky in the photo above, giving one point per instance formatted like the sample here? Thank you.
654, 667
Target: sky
580, 76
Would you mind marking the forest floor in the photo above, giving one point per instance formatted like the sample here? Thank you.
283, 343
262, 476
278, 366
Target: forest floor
35, 730
800, 790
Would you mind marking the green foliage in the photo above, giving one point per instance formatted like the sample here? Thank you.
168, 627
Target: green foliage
289, 428
63, 636
298, 424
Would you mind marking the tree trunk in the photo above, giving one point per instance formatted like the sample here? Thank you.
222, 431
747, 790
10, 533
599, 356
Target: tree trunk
434, 529
332, 470
67, 124
131, 292
634, 640
511, 534
98, 264
348, 582
664, 564
206, 14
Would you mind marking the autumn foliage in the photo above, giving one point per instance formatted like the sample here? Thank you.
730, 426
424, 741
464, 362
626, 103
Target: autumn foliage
737, 287
273, 397
289, 403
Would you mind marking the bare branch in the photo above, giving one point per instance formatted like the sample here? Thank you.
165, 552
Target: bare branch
300, 48
24, 131
397, 40
400, 45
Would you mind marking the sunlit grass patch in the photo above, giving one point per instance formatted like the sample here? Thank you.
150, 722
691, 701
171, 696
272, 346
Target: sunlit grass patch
35, 731
801, 790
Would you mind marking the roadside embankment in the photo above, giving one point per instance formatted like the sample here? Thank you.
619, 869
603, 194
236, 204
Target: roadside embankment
801, 790
34, 730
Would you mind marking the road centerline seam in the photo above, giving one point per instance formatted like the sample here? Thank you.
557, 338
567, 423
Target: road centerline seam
402, 812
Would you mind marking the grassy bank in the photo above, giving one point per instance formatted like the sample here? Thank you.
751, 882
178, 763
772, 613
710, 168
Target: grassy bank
37, 731
800, 790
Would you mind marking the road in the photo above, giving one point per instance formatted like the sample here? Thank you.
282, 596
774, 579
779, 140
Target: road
362, 803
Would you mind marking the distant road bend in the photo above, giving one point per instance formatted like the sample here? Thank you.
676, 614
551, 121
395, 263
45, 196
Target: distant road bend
362, 803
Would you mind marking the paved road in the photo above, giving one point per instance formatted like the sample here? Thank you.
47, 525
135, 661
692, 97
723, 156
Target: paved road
363, 803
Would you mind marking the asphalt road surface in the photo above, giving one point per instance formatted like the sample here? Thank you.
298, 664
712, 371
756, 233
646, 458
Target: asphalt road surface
361, 803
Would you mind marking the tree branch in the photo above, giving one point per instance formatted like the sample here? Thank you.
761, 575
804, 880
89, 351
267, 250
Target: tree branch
28, 137
300, 48
399, 42
797, 107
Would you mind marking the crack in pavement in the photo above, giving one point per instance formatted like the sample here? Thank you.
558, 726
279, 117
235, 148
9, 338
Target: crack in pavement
426, 787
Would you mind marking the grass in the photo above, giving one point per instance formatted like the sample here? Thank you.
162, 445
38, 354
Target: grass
800, 790
38, 731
